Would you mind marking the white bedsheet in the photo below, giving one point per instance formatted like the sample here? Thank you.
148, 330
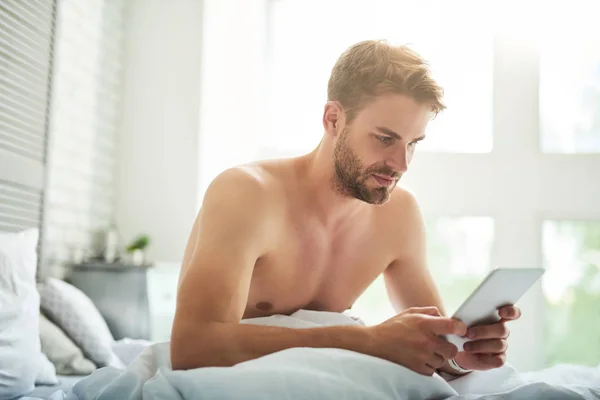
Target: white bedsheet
306, 373
125, 350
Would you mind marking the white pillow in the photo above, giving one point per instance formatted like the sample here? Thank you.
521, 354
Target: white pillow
22, 364
64, 354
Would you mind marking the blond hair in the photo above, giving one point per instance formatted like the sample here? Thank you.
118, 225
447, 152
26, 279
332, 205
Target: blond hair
373, 67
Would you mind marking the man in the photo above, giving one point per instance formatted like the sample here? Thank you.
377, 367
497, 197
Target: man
313, 232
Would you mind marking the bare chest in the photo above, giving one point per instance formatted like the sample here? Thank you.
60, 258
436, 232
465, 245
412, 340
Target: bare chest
313, 270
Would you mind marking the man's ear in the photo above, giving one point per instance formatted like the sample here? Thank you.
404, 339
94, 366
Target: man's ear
333, 118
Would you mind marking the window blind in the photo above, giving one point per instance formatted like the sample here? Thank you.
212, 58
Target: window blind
26, 44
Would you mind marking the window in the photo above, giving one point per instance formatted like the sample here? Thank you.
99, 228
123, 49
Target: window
459, 252
501, 60
571, 287
570, 87
305, 41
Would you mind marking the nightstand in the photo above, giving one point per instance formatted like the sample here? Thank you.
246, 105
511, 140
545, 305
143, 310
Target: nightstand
137, 302
120, 292
163, 279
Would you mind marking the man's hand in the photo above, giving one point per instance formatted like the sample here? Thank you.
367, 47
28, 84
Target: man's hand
487, 347
411, 339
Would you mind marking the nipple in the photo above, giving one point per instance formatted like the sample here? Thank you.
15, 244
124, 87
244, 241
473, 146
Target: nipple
264, 306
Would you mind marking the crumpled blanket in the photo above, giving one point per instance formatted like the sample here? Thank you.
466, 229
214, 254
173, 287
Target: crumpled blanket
308, 373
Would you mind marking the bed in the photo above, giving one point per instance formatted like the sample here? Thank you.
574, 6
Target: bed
142, 370
327, 374
65, 385
126, 350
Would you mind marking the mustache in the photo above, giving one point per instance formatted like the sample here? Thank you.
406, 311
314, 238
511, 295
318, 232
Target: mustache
384, 171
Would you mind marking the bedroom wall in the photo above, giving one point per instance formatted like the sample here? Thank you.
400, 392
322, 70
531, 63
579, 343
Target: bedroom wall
84, 121
158, 144
234, 85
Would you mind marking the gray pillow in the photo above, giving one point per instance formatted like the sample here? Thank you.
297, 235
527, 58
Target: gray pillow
76, 314
61, 351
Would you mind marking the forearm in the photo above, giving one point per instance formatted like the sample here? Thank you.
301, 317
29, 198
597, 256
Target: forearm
226, 344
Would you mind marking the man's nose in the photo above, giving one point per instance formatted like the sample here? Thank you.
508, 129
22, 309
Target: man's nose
399, 161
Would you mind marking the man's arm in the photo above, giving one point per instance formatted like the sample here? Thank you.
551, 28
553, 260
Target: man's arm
408, 280
409, 284
232, 231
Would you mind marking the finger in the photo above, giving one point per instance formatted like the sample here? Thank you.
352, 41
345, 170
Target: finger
436, 361
509, 312
427, 370
444, 348
489, 361
432, 310
498, 330
486, 346
445, 326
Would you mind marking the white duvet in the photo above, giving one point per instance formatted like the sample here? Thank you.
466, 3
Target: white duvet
306, 373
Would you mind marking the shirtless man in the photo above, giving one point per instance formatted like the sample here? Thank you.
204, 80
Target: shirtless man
313, 232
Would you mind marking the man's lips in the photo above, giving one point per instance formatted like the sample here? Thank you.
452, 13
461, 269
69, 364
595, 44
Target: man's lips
384, 180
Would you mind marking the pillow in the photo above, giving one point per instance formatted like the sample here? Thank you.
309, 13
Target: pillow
76, 314
61, 351
46, 373
22, 363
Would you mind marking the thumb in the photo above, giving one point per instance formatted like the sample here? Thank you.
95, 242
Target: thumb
446, 326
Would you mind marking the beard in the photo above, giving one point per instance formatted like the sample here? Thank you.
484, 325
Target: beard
350, 178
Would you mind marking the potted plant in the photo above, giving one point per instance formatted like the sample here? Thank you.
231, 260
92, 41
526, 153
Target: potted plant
136, 249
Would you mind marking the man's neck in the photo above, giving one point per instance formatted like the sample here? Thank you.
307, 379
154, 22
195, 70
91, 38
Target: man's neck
327, 203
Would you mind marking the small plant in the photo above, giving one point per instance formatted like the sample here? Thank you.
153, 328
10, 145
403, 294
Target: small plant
139, 243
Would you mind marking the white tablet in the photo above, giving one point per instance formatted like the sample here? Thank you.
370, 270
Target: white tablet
502, 287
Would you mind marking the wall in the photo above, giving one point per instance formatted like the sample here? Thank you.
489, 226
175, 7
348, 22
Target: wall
84, 120
158, 147
233, 85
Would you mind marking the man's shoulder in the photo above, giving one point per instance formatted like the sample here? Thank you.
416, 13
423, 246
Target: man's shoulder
402, 201
255, 182
402, 223
402, 211
247, 176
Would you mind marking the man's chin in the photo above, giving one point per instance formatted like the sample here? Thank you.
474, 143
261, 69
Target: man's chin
378, 196
381, 201
370, 194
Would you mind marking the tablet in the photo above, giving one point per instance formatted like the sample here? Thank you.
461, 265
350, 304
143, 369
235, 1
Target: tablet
502, 287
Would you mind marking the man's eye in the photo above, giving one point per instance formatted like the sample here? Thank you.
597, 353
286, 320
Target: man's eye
413, 144
385, 139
